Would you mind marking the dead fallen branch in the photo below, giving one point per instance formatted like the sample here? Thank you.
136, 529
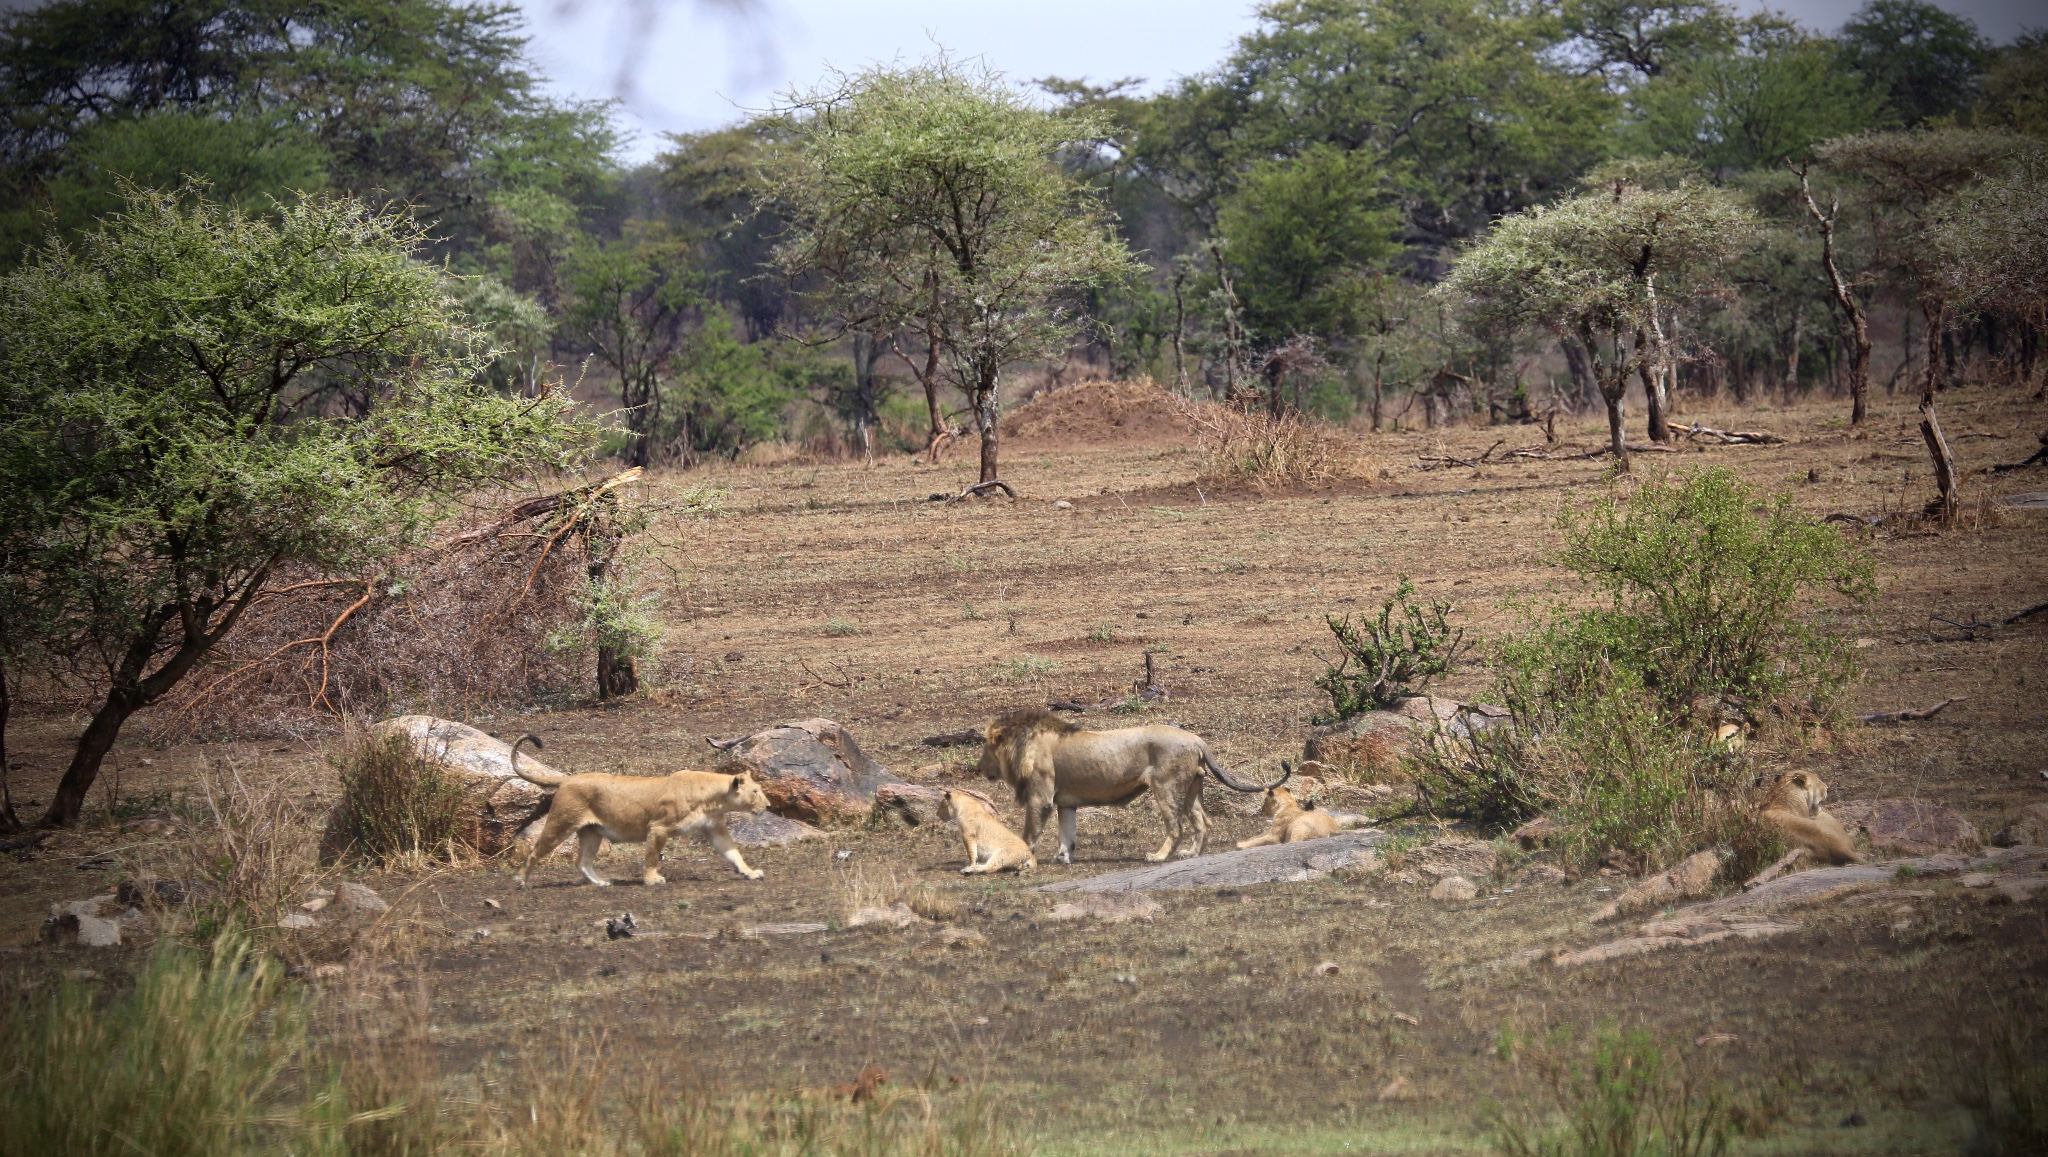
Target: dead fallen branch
2040, 455
1910, 714
978, 490
962, 738
1596, 452
1443, 460
1725, 437
848, 682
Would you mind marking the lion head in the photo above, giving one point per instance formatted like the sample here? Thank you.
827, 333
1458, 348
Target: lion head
1801, 792
746, 795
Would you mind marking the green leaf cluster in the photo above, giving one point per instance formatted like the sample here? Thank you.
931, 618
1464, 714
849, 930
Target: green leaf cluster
1392, 657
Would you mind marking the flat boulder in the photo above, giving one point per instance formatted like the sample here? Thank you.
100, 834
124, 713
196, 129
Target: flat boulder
1275, 863
768, 830
1690, 879
497, 806
1906, 827
1373, 743
811, 770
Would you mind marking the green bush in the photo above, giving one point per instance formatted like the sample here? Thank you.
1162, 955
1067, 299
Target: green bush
1390, 658
394, 804
1707, 588
186, 1063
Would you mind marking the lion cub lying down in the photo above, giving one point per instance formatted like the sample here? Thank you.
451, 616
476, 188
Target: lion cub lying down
632, 809
991, 847
1291, 821
1794, 809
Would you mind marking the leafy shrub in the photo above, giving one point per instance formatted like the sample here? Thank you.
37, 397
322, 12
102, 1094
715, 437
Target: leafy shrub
1622, 1098
186, 1063
1388, 659
394, 804
1707, 585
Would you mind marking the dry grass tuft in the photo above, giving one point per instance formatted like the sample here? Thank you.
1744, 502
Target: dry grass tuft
1240, 447
396, 808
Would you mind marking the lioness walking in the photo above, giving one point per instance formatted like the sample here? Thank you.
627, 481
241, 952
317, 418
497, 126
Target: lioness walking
631, 809
1051, 763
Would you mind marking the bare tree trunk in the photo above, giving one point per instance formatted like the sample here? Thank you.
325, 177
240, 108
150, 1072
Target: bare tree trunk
1613, 390
1859, 323
1180, 315
1649, 368
1576, 359
985, 416
1792, 358
1944, 462
9, 821
1378, 386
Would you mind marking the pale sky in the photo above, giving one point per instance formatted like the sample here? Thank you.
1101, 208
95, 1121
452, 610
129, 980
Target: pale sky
701, 66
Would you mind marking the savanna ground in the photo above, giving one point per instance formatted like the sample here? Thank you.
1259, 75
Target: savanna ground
1208, 1029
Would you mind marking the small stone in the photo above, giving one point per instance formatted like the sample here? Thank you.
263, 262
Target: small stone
1536, 833
360, 897
1541, 876
1326, 968
1977, 880
296, 920
979, 1020
328, 971
1410, 1021
1062, 504
1454, 888
843, 855
315, 904
1854, 1120
482, 933
81, 974
735, 656
2029, 825
489, 903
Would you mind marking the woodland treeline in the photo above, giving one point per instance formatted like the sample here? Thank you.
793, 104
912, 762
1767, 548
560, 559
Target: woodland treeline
1273, 229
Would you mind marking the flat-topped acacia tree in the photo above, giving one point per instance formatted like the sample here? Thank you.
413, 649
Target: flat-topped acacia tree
163, 452
1598, 268
934, 198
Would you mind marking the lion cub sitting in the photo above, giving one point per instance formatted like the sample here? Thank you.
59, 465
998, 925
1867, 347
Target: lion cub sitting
1291, 821
631, 809
1793, 807
991, 847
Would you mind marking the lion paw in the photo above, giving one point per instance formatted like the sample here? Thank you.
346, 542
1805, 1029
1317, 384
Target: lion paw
754, 875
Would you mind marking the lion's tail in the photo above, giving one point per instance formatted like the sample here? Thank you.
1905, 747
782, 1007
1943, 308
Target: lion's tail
1224, 777
543, 778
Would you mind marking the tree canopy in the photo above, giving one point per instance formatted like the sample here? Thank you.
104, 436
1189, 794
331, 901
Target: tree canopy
163, 393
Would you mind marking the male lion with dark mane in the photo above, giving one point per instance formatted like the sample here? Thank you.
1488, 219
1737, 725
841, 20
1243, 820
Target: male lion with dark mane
1053, 764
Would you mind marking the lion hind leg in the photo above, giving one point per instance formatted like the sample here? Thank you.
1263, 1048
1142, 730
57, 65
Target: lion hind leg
552, 833
1169, 816
1196, 818
587, 840
1261, 840
722, 840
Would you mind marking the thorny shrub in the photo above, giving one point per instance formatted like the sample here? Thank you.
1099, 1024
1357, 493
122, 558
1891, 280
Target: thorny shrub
2003, 1081
1390, 658
1620, 1097
395, 805
1243, 447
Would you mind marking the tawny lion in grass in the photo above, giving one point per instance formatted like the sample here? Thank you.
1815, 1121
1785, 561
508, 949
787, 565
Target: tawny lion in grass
633, 809
1793, 807
991, 847
1292, 822
1051, 763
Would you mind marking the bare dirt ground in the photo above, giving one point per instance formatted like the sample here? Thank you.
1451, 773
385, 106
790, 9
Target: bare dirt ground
1209, 1029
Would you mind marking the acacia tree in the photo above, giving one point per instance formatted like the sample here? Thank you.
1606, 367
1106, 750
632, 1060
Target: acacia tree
626, 302
933, 198
1598, 268
159, 455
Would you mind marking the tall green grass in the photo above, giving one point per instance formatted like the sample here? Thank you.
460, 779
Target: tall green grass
189, 1062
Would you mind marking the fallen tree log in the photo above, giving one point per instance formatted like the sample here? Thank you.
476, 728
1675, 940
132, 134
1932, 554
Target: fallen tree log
1725, 437
1910, 714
